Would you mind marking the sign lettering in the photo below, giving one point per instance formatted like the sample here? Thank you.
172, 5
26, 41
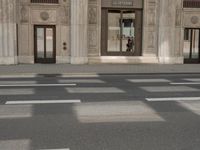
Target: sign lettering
122, 2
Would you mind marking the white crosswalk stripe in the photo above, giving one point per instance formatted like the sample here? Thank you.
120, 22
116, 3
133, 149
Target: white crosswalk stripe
185, 83
42, 102
169, 89
174, 99
148, 80
95, 90
36, 85
192, 79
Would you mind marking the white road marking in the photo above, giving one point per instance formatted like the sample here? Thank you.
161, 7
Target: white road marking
80, 81
169, 89
35, 85
82, 75
174, 99
148, 80
42, 102
19, 76
185, 83
95, 90
56, 149
17, 91
17, 82
192, 79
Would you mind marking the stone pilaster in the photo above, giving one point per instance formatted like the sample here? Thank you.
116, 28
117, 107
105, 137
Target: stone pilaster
79, 25
169, 20
150, 24
8, 44
94, 28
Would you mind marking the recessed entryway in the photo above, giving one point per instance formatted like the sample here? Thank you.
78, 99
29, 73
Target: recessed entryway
121, 32
45, 43
191, 49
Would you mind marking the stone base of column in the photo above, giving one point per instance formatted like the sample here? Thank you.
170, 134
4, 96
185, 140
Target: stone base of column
79, 60
62, 59
26, 59
8, 60
171, 60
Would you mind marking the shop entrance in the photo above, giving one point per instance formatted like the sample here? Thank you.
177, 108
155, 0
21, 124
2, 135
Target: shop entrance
121, 32
191, 45
45, 44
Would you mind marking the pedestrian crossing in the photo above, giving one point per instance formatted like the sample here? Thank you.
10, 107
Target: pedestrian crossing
126, 87
148, 80
169, 89
92, 90
173, 99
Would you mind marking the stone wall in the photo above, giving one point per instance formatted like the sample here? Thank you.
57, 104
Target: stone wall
191, 18
8, 44
170, 32
79, 31
150, 28
31, 14
94, 27
78, 24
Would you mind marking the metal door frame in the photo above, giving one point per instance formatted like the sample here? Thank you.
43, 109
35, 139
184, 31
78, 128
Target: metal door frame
104, 33
45, 60
190, 59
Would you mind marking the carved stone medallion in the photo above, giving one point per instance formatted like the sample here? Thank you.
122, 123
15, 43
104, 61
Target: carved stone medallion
194, 19
44, 15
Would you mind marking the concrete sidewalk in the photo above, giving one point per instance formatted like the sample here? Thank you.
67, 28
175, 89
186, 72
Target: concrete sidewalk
98, 69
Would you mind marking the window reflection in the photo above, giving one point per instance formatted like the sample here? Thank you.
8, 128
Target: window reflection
121, 31
191, 44
40, 42
114, 31
49, 43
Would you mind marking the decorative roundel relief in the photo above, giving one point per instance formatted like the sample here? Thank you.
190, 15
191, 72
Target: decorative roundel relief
44, 15
194, 19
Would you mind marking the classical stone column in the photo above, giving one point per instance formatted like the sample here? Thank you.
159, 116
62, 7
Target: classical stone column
8, 46
79, 25
167, 37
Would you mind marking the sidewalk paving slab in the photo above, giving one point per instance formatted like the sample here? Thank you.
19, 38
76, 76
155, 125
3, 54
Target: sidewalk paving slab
98, 69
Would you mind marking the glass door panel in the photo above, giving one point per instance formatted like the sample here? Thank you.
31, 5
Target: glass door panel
44, 44
40, 42
114, 31
191, 45
128, 31
195, 44
49, 43
121, 33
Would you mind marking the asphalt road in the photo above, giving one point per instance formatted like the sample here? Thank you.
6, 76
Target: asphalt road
103, 112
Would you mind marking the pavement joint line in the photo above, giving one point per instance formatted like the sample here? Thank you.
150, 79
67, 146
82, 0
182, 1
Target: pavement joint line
42, 102
36, 85
173, 99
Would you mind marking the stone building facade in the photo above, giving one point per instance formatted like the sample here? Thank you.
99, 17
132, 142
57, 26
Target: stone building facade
99, 31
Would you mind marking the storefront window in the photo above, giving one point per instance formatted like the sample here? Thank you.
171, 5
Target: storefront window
192, 46
114, 31
120, 34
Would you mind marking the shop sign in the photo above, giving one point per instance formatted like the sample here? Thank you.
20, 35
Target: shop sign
122, 2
